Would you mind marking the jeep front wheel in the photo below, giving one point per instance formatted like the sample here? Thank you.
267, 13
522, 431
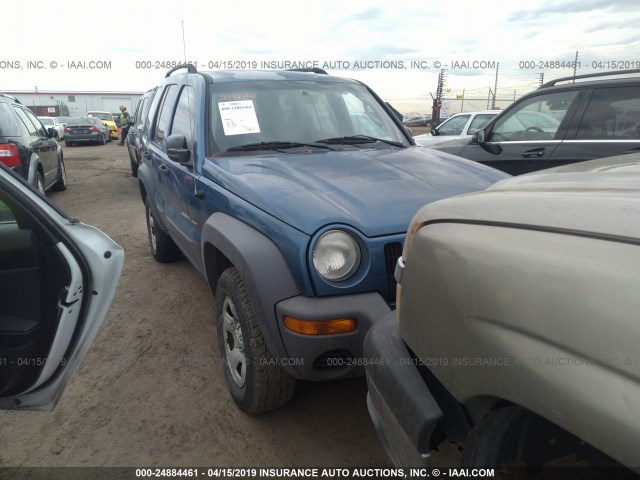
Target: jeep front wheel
255, 381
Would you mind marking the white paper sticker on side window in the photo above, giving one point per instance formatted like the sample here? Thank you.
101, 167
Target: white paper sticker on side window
238, 117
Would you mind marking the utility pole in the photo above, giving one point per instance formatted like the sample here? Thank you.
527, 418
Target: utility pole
541, 79
495, 87
575, 66
437, 101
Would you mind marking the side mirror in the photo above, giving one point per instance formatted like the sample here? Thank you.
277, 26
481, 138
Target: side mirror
434, 132
479, 137
177, 150
52, 132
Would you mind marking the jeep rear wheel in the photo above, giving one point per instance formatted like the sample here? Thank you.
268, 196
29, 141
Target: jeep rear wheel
163, 248
255, 381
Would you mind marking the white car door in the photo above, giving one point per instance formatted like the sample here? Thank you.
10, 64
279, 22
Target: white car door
57, 279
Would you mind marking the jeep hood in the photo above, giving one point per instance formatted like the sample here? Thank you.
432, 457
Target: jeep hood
377, 191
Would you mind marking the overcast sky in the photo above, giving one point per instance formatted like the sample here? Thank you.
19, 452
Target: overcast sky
134, 37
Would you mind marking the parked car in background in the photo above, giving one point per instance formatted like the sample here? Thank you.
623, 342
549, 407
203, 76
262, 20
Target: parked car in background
517, 326
567, 120
63, 120
53, 122
417, 121
460, 125
28, 148
116, 118
86, 130
272, 185
139, 130
58, 278
109, 121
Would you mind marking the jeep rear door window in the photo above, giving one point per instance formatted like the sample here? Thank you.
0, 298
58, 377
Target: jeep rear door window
184, 118
537, 118
165, 113
612, 113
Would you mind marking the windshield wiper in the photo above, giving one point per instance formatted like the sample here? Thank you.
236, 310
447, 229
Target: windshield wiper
357, 139
274, 145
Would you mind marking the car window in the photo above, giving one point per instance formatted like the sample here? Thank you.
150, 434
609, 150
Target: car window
102, 116
6, 215
8, 125
184, 118
480, 121
137, 115
41, 131
147, 110
612, 113
454, 125
165, 113
243, 113
47, 121
31, 128
536, 118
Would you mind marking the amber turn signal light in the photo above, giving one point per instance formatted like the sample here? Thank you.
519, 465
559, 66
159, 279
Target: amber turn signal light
320, 327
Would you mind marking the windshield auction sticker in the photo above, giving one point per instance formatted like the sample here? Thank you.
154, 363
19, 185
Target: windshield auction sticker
238, 117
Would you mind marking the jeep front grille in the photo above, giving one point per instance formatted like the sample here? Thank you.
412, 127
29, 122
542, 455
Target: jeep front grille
392, 251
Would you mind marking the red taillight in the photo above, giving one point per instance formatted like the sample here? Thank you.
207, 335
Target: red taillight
93, 129
9, 155
66, 130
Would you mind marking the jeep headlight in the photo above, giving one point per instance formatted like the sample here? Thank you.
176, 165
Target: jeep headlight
336, 255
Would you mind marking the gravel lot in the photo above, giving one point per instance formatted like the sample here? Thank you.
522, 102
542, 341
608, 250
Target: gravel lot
151, 390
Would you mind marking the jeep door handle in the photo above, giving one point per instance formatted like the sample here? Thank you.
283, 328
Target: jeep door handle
146, 155
537, 153
164, 170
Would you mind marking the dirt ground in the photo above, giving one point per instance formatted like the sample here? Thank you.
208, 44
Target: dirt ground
151, 391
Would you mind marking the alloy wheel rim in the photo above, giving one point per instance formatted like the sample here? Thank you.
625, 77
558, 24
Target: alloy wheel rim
233, 343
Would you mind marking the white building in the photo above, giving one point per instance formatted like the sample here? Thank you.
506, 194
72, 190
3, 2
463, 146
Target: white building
77, 104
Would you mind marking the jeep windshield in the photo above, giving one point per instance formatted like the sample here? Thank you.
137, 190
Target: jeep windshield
298, 116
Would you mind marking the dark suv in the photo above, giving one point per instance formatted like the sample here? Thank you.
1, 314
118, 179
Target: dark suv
28, 148
567, 120
291, 192
138, 131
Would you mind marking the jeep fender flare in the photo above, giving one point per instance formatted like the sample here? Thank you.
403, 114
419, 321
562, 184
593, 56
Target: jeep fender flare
228, 242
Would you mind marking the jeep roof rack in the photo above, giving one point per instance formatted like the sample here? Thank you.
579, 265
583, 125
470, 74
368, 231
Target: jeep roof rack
191, 68
321, 71
588, 75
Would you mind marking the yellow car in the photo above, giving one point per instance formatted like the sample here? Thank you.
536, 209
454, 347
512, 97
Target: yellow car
108, 120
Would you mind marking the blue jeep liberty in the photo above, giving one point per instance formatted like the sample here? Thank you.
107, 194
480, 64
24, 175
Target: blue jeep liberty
291, 193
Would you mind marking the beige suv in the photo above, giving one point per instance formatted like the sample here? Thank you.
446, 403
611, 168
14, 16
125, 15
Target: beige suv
517, 333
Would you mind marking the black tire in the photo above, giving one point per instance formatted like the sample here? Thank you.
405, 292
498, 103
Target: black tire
491, 442
68, 144
61, 183
40, 183
163, 248
103, 140
134, 168
256, 383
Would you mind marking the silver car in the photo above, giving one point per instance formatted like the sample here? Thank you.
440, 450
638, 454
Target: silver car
517, 331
